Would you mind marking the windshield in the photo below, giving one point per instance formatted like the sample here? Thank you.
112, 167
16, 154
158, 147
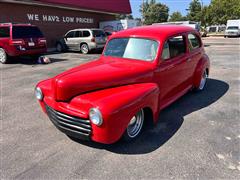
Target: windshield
232, 28
132, 48
99, 33
26, 32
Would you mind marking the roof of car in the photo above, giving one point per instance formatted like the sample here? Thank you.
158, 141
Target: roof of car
154, 31
82, 29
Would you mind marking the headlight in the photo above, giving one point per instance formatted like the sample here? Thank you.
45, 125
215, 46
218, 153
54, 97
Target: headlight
95, 116
39, 94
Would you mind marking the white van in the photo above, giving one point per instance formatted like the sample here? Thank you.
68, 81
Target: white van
118, 25
233, 28
192, 24
83, 40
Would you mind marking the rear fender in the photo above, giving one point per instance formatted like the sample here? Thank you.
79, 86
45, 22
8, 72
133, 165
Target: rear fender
203, 64
118, 106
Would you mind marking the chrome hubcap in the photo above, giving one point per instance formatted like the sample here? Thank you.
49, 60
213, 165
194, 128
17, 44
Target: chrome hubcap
203, 80
135, 125
84, 49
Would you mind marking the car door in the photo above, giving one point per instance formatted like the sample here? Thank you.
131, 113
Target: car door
86, 37
170, 74
69, 40
77, 40
194, 54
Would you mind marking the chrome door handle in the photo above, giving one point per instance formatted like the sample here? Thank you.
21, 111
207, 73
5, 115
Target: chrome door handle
189, 59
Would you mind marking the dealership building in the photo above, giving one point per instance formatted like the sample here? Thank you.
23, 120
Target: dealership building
56, 17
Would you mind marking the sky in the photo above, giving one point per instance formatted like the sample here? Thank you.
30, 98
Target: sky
174, 5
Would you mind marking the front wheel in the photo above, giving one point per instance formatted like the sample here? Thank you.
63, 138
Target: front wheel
59, 47
3, 56
135, 126
203, 81
84, 49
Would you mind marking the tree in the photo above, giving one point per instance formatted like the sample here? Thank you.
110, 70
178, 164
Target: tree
177, 16
195, 13
205, 17
154, 12
219, 11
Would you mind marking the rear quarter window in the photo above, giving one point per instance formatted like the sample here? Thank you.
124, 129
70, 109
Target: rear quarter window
4, 32
174, 47
194, 42
86, 33
98, 33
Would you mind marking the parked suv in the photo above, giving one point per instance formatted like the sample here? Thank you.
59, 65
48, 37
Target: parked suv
20, 39
83, 40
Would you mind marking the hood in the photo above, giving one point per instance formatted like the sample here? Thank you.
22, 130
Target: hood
100, 74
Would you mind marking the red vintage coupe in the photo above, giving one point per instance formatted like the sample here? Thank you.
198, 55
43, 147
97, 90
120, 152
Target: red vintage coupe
140, 72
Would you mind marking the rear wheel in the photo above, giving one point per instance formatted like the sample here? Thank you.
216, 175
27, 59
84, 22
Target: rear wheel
84, 48
3, 56
135, 126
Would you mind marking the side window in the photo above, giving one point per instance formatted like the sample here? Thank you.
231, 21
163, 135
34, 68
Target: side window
194, 42
4, 32
166, 53
86, 33
70, 34
173, 47
78, 34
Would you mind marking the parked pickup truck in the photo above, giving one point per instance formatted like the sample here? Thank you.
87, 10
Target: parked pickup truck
140, 72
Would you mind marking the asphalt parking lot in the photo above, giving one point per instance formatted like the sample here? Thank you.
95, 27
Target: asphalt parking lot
197, 137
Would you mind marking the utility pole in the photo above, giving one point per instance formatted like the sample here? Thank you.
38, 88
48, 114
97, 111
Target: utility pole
202, 12
142, 11
202, 4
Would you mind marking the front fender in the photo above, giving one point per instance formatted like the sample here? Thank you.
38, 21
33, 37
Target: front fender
203, 64
118, 105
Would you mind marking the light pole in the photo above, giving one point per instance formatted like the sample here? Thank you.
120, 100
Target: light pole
201, 4
202, 12
142, 11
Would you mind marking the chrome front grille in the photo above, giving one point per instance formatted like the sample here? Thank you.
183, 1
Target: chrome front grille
68, 124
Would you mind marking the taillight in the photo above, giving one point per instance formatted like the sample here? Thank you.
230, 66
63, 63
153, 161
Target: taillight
93, 40
17, 42
42, 41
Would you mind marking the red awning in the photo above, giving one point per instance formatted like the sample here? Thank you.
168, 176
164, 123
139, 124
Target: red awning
112, 6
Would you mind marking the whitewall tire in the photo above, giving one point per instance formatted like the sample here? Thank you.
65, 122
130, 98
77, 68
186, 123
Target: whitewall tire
3, 56
134, 127
84, 48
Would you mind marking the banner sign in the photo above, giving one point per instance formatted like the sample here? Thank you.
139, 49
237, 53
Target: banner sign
60, 19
